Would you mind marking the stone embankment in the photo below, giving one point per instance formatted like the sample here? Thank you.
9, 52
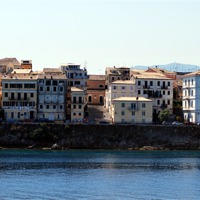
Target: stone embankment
136, 137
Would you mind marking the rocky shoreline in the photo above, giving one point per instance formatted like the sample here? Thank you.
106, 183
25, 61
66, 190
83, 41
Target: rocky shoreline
130, 137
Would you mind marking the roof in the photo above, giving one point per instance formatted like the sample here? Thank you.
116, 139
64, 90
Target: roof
160, 70
6, 61
52, 70
150, 75
49, 76
126, 82
196, 73
97, 77
20, 77
21, 71
132, 99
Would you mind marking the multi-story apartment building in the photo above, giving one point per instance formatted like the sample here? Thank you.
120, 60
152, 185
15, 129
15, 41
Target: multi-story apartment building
96, 89
114, 74
78, 104
118, 89
52, 96
132, 110
19, 96
155, 86
76, 77
191, 97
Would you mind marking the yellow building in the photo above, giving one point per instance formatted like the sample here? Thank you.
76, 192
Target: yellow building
132, 110
19, 96
78, 104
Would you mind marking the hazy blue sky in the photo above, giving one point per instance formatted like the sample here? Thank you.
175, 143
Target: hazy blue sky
100, 33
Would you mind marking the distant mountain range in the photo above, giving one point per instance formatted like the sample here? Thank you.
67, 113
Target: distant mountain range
174, 67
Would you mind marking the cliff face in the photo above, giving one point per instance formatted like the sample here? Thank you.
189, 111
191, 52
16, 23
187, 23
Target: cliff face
100, 137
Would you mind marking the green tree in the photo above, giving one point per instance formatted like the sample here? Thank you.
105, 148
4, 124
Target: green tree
163, 115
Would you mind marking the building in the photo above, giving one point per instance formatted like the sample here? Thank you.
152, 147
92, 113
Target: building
114, 74
132, 110
19, 97
154, 86
96, 89
26, 64
191, 97
52, 96
78, 104
118, 89
8, 64
76, 77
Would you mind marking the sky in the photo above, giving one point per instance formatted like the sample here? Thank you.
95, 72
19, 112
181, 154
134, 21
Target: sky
100, 33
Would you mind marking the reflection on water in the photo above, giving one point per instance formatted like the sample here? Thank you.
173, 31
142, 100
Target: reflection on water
87, 174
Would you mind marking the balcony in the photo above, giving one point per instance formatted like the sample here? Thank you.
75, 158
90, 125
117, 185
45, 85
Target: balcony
164, 87
146, 86
133, 108
163, 106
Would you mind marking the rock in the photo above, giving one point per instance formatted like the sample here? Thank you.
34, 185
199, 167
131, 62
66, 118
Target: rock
55, 146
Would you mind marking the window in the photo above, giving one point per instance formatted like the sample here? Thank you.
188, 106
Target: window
6, 85
61, 89
101, 86
133, 113
48, 82
79, 114
54, 106
151, 83
61, 107
192, 104
139, 82
192, 93
18, 115
5, 94
54, 89
168, 92
131, 87
47, 106
25, 96
133, 106
74, 106
143, 120
48, 88
163, 92
79, 106
143, 113
123, 113
19, 96
123, 87
185, 82
192, 82
168, 83
158, 83
41, 106
32, 94
41, 89
139, 92
168, 102
114, 87
123, 105
74, 114
158, 102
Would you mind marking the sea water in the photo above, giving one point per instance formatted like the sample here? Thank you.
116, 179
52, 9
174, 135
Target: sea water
99, 174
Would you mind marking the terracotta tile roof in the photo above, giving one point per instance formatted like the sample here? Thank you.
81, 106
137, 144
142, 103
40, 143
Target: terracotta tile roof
6, 61
97, 77
127, 82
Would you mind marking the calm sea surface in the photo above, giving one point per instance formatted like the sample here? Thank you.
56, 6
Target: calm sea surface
102, 175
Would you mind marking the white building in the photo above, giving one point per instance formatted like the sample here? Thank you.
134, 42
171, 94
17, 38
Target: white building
154, 86
191, 97
118, 89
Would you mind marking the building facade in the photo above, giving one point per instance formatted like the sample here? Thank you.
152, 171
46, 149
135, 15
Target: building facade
132, 110
155, 86
96, 89
191, 97
19, 97
78, 104
52, 97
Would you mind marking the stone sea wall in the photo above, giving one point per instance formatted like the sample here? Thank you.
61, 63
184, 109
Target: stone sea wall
143, 137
